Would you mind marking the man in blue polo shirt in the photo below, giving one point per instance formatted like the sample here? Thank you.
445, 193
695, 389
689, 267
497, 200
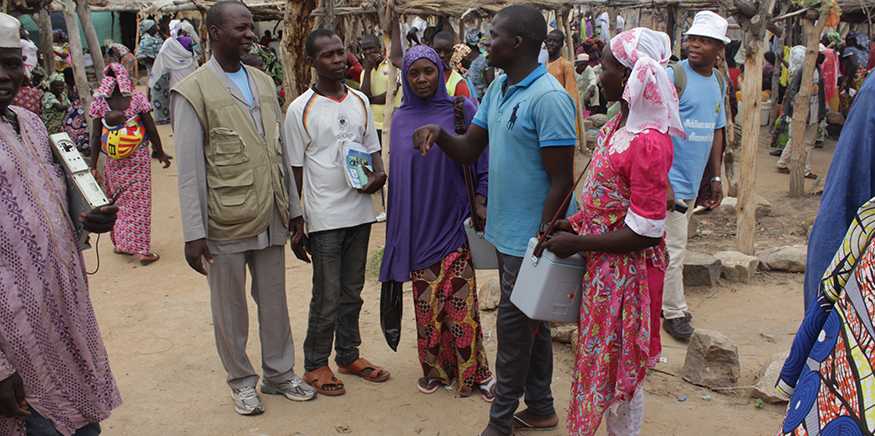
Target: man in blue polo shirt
528, 121
703, 115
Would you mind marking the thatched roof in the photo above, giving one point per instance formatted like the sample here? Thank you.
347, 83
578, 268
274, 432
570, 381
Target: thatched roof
855, 5
460, 7
453, 8
261, 9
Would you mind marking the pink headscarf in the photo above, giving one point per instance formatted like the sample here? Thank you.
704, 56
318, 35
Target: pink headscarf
651, 94
99, 106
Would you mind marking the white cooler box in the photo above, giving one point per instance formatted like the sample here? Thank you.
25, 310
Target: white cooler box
483, 253
548, 288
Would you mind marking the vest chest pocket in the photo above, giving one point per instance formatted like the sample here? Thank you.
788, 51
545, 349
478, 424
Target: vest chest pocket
227, 147
232, 199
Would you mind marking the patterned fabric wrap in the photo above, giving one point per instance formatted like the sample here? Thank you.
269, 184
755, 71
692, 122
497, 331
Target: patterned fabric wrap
460, 52
829, 371
30, 98
54, 111
149, 47
622, 292
131, 180
120, 142
652, 97
116, 76
161, 100
272, 66
449, 336
76, 125
48, 330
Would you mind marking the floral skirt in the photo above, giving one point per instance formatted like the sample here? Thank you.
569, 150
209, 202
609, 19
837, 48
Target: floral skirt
132, 233
160, 95
449, 336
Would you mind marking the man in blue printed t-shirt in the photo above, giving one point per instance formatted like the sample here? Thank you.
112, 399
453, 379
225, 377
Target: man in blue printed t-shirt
528, 121
704, 116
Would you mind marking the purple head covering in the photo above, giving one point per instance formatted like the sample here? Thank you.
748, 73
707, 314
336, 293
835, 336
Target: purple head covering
427, 196
440, 101
186, 42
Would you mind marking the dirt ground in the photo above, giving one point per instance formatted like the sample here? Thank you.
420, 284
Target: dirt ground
157, 327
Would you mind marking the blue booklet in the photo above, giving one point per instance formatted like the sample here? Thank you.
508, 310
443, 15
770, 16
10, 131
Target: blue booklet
355, 160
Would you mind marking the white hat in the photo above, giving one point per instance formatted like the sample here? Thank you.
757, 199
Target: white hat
583, 57
709, 25
9, 31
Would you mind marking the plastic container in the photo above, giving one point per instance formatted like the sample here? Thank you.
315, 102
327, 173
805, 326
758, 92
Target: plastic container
548, 288
483, 253
765, 112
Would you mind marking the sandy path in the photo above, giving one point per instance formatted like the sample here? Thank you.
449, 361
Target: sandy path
157, 326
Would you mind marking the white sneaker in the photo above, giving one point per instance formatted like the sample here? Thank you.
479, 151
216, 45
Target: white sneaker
246, 401
295, 389
381, 217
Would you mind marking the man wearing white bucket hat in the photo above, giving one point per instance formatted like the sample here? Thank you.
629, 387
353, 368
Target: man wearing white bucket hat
702, 92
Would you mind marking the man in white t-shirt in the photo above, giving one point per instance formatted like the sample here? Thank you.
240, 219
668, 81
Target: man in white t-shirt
320, 126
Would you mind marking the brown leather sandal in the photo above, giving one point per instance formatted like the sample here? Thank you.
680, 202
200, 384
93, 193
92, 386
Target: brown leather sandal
325, 383
366, 370
146, 259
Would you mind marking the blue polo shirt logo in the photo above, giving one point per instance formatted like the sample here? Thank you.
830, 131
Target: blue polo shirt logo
512, 120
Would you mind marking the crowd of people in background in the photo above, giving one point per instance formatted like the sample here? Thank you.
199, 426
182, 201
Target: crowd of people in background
485, 128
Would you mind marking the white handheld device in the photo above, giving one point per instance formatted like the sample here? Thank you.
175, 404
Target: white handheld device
77, 170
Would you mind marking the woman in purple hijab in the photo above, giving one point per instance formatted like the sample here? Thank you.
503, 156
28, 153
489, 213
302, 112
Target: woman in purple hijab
425, 237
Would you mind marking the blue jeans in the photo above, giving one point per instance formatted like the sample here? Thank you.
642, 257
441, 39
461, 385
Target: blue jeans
38, 425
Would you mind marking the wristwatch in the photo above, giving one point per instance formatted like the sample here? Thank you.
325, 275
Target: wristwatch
715, 179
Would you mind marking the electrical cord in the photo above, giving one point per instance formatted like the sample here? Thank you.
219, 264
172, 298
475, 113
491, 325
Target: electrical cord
97, 255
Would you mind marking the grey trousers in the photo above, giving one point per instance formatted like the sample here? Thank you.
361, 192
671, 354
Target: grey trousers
227, 279
524, 361
339, 260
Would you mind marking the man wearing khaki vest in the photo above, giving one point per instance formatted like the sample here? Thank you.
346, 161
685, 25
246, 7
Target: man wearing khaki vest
239, 205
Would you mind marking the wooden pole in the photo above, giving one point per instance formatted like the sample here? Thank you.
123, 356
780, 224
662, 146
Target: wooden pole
69, 7
776, 72
801, 105
562, 20
135, 49
388, 19
328, 19
730, 151
46, 44
671, 20
755, 37
296, 26
91, 36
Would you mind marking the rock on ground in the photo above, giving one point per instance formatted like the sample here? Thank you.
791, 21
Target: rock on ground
737, 267
787, 259
711, 361
701, 269
693, 227
765, 387
729, 205
489, 293
563, 332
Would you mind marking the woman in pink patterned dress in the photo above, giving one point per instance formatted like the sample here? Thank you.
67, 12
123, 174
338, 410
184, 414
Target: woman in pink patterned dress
129, 179
619, 229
